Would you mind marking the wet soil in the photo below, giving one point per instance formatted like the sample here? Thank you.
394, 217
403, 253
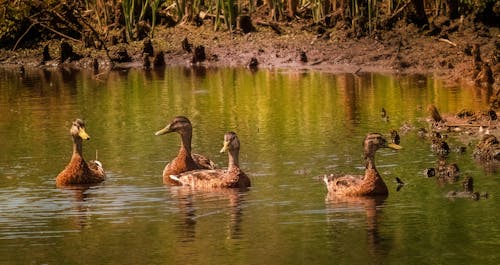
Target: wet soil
405, 49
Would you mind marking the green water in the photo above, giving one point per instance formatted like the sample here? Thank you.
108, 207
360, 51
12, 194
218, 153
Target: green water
293, 126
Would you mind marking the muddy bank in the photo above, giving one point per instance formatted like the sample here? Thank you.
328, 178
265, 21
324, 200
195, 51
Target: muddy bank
406, 49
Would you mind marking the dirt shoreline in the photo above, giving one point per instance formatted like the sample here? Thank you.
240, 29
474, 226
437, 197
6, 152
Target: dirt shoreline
403, 50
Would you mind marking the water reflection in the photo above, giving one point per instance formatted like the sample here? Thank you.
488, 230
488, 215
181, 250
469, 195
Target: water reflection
81, 210
191, 203
296, 126
371, 206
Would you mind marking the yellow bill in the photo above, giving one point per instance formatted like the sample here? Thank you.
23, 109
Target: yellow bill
164, 130
225, 147
83, 134
394, 146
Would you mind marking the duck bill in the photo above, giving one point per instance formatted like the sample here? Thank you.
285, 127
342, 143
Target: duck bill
394, 146
83, 134
225, 147
164, 130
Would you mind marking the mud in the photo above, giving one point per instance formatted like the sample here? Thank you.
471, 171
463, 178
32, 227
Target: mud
446, 54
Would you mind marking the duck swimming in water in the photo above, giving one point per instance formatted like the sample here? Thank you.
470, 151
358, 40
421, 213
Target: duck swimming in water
232, 177
78, 171
185, 161
371, 183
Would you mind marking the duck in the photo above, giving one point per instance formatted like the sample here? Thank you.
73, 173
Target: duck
78, 171
447, 172
467, 191
438, 145
185, 160
371, 183
395, 138
232, 177
488, 149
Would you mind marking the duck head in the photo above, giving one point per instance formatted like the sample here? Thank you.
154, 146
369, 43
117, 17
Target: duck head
78, 130
375, 141
179, 124
231, 142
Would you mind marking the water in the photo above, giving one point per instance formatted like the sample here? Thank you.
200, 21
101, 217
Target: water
293, 126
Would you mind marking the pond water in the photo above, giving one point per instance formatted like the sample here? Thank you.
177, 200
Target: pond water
293, 126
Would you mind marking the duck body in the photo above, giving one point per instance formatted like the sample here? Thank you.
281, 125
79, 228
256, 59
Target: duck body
215, 178
488, 149
467, 191
185, 160
369, 184
78, 171
233, 177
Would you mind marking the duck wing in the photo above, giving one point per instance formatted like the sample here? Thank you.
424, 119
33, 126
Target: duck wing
97, 169
203, 162
208, 178
337, 183
213, 178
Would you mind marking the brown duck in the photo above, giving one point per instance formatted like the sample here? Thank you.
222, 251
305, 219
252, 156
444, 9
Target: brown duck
78, 171
185, 161
371, 183
232, 177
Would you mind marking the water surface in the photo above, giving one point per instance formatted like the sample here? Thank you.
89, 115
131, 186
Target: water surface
293, 127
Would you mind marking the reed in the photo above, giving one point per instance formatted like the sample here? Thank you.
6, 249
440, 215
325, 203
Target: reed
128, 7
366, 16
154, 10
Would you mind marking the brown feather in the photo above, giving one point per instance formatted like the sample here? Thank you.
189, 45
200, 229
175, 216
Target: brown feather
185, 161
78, 172
371, 183
233, 177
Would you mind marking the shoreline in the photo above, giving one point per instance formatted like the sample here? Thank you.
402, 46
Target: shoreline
401, 51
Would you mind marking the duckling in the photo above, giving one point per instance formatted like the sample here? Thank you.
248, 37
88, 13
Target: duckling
78, 171
439, 145
488, 149
233, 177
395, 139
447, 173
467, 191
371, 183
185, 161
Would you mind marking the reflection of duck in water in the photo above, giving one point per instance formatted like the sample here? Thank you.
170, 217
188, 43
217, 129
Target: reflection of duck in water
78, 171
371, 207
81, 215
371, 183
467, 191
233, 177
185, 161
192, 209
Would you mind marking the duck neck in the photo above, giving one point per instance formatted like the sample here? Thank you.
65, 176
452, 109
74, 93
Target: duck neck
77, 147
233, 159
77, 158
185, 143
370, 162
